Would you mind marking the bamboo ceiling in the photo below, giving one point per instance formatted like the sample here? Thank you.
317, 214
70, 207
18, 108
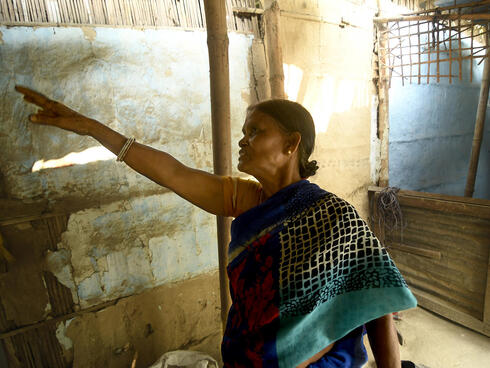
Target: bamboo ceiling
242, 15
434, 45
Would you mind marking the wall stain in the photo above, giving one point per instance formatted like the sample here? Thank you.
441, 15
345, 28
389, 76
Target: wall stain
89, 33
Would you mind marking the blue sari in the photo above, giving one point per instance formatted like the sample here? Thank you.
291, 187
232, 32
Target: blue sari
305, 271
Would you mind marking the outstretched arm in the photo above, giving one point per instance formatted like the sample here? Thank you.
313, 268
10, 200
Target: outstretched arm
198, 187
384, 342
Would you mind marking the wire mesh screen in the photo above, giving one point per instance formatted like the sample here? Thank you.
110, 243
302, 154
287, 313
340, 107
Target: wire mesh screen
434, 45
241, 14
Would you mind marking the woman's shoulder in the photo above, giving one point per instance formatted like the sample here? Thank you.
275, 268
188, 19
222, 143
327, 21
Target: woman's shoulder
240, 195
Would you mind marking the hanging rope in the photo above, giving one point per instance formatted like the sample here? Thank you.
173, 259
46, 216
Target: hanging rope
387, 211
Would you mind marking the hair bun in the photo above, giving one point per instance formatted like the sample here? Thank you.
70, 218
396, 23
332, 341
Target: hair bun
309, 169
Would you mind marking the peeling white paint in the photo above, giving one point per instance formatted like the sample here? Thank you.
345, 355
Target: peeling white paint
48, 309
59, 264
90, 289
131, 245
65, 341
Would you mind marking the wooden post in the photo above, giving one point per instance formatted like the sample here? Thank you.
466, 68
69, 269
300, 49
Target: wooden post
383, 108
479, 125
220, 115
274, 50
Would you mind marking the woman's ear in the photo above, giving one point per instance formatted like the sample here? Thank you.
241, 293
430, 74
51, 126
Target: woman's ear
294, 140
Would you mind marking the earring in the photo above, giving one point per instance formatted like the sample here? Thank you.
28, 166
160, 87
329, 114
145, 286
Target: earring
289, 152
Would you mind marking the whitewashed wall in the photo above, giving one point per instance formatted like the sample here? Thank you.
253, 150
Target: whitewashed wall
150, 84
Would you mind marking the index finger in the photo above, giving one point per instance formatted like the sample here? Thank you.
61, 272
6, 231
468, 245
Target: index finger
33, 96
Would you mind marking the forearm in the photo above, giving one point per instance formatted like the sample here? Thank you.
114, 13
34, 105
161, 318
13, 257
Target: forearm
198, 187
384, 342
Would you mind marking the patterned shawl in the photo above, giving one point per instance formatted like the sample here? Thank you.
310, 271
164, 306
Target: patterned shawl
304, 270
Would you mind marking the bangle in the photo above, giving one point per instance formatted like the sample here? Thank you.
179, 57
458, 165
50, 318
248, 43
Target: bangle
125, 149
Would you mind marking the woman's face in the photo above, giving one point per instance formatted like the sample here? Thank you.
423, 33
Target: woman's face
264, 146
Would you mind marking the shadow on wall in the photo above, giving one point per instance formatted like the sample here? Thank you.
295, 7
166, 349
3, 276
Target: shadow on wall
431, 133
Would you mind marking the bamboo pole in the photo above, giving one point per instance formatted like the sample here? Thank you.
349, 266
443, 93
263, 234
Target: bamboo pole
471, 61
482, 16
442, 61
455, 6
215, 12
419, 51
451, 54
383, 109
479, 125
274, 50
460, 60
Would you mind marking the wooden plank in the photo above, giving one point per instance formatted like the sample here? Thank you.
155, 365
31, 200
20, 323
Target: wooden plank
443, 281
244, 11
415, 250
453, 285
459, 205
446, 206
10, 209
60, 296
486, 305
456, 301
440, 307
23, 219
24, 329
450, 226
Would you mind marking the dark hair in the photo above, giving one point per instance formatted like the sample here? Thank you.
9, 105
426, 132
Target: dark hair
293, 117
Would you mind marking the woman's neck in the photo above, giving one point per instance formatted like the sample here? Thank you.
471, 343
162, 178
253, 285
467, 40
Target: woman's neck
272, 185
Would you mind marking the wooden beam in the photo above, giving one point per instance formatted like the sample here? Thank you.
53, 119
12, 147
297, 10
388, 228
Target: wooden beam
220, 115
479, 126
451, 7
274, 50
26, 328
486, 302
483, 16
383, 107
475, 207
247, 12
428, 253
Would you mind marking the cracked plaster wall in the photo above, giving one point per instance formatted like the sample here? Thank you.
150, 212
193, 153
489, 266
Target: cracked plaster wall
127, 234
150, 84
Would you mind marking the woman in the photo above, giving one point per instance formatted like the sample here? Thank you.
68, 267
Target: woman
307, 276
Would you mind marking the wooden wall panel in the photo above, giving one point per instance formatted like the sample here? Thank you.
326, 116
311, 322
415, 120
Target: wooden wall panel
443, 252
26, 288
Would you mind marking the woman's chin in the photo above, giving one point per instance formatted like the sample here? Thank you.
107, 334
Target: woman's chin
242, 167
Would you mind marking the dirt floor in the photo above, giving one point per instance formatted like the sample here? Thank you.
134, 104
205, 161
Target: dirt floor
431, 341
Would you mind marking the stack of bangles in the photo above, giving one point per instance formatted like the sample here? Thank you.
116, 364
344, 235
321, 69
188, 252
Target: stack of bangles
125, 149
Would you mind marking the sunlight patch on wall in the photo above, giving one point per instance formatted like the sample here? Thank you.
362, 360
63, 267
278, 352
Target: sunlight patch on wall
328, 94
321, 102
91, 154
293, 76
